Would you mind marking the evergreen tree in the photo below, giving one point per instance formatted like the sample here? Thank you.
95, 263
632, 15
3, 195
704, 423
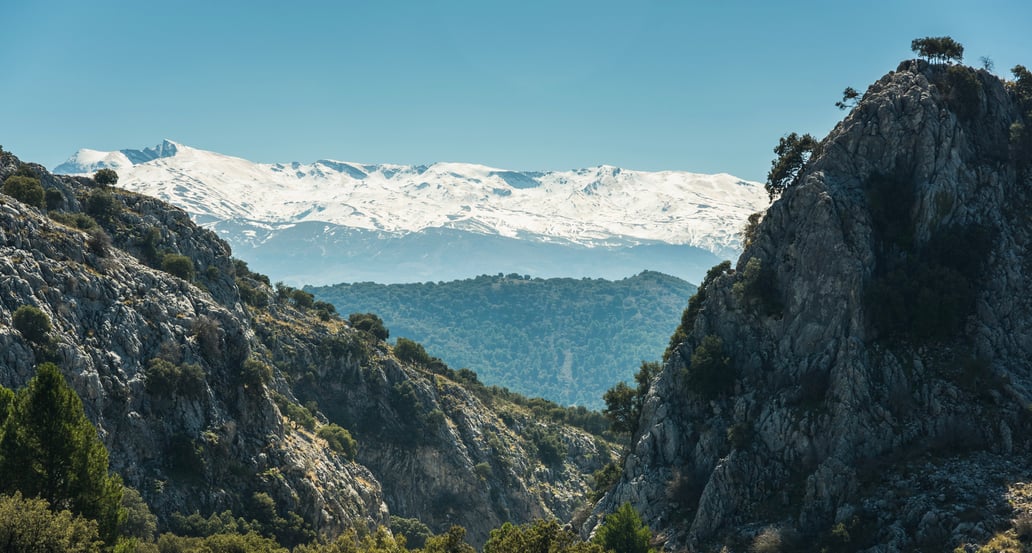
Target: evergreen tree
50, 450
452, 541
624, 532
939, 49
793, 153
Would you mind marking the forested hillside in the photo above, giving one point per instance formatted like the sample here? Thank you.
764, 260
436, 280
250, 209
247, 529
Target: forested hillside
567, 340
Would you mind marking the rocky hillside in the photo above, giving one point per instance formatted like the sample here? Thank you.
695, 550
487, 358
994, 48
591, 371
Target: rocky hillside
860, 381
192, 368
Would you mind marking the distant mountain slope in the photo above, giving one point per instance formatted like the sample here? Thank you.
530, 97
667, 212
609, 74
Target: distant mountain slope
567, 340
353, 220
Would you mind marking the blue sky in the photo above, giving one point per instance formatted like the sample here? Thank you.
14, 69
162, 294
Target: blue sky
699, 86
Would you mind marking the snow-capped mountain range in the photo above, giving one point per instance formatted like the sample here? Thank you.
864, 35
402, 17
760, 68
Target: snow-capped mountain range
263, 206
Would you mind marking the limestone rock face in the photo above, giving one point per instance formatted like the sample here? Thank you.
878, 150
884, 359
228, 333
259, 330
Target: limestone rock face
835, 413
208, 450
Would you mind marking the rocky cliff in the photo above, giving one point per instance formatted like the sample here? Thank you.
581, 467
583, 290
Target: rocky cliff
877, 332
191, 367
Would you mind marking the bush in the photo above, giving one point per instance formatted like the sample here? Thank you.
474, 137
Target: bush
206, 330
178, 265
251, 295
691, 312
339, 440
548, 444
99, 242
605, 478
77, 220
756, 289
371, 323
30, 525
254, 373
106, 177
927, 293
413, 529
32, 323
24, 189
297, 413
102, 206
53, 198
302, 299
163, 378
963, 91
411, 352
710, 372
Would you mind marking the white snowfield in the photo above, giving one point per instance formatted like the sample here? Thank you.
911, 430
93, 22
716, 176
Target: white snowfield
598, 207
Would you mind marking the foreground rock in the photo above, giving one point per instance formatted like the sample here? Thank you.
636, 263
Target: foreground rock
881, 342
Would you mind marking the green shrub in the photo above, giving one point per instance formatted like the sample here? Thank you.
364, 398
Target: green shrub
24, 189
710, 372
163, 378
99, 242
963, 91
691, 312
550, 448
53, 198
411, 352
77, 220
102, 206
339, 440
605, 478
755, 288
302, 299
303, 416
106, 177
254, 373
178, 265
28, 524
371, 323
413, 529
32, 323
251, 295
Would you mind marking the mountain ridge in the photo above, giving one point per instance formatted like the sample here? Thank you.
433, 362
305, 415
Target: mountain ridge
605, 208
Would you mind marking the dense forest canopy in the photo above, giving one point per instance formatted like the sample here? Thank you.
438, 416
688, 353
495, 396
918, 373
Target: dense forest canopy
567, 340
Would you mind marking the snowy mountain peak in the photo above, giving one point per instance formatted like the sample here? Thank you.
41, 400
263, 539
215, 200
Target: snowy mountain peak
89, 161
598, 207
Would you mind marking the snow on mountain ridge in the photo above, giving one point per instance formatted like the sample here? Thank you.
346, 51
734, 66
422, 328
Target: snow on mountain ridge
603, 206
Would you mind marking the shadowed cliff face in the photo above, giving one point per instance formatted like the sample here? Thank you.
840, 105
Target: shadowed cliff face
171, 372
883, 330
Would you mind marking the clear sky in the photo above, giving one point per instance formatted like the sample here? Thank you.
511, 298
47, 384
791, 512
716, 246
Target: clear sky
530, 85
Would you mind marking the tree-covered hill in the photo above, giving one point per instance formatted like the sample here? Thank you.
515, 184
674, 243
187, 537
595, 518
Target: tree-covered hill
567, 340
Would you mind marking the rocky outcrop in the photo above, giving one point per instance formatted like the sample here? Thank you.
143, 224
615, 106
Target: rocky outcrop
881, 333
194, 382
208, 450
